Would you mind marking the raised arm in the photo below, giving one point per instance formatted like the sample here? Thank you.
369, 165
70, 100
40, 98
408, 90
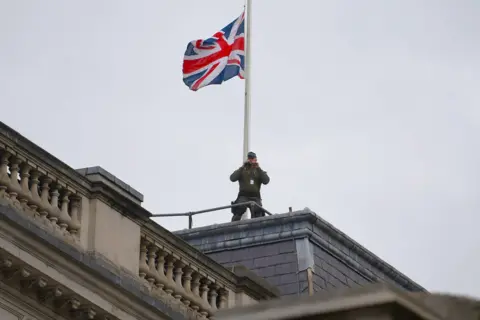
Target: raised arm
235, 176
264, 177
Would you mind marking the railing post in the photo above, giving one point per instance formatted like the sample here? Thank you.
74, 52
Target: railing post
247, 204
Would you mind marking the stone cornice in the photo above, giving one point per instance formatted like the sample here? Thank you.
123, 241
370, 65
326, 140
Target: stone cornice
123, 205
99, 174
247, 282
48, 292
305, 220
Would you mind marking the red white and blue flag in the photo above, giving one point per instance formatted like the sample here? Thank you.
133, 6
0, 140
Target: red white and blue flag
216, 59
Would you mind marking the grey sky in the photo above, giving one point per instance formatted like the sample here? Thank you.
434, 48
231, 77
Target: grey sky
367, 112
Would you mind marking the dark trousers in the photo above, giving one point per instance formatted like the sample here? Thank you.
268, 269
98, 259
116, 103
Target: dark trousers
256, 212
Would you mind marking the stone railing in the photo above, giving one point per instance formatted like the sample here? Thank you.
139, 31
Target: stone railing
170, 275
38, 193
175, 270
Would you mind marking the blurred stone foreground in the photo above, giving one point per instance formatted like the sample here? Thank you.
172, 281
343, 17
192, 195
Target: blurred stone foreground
376, 301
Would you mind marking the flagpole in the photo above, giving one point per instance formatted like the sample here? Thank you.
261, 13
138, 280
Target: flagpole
248, 36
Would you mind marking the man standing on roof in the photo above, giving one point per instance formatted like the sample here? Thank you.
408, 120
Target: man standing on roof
250, 178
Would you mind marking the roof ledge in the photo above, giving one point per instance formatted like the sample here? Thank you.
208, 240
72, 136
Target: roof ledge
253, 284
99, 175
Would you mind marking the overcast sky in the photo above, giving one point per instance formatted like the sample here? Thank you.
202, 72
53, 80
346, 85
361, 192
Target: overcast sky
367, 112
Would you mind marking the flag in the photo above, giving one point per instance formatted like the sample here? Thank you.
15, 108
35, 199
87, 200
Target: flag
216, 59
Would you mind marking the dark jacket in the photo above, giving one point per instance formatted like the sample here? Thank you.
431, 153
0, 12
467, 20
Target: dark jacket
250, 180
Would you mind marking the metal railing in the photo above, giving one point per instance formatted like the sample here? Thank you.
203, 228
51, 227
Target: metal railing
250, 204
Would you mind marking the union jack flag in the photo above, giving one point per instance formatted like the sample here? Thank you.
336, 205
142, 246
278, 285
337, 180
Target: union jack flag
216, 59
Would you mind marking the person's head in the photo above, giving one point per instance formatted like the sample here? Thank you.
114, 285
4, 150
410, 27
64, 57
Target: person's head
252, 157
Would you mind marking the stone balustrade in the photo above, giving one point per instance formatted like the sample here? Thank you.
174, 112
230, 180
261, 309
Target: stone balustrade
172, 276
179, 273
36, 192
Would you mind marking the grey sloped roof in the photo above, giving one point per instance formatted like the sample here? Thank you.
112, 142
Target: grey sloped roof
292, 225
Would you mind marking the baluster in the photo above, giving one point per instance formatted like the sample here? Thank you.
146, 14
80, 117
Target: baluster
179, 289
25, 194
152, 253
64, 218
45, 194
54, 212
14, 187
205, 289
143, 266
196, 290
204, 286
223, 298
4, 177
74, 224
160, 275
187, 285
213, 296
169, 274
179, 292
35, 200
187, 279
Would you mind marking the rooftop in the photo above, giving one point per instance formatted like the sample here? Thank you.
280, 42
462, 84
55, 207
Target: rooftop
302, 223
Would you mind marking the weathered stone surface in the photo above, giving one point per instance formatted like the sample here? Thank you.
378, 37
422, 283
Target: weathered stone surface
374, 301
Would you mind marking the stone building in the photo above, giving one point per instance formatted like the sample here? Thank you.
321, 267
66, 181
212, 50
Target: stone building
77, 244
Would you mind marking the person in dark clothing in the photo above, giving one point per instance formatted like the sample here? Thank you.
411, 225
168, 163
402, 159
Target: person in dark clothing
250, 178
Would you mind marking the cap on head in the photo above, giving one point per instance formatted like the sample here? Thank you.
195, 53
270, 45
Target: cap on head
251, 155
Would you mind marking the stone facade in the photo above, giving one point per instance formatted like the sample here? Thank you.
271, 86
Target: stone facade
77, 244
288, 249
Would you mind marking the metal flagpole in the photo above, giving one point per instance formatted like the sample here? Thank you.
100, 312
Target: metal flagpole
247, 74
248, 64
